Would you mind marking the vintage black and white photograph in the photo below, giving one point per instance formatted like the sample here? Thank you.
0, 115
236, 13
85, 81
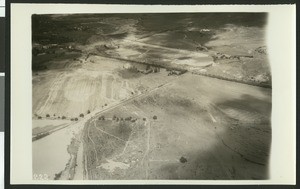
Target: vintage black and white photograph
151, 96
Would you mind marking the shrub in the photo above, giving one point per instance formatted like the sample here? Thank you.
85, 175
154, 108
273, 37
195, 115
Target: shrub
155, 117
76, 119
144, 119
47, 115
81, 115
183, 159
101, 117
88, 111
128, 118
105, 104
63, 117
57, 176
72, 119
39, 117
58, 117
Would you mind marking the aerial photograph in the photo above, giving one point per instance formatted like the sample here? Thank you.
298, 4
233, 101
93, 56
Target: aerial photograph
151, 96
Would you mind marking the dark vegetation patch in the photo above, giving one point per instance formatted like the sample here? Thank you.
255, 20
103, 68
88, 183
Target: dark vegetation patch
46, 30
203, 20
249, 103
183, 160
184, 58
176, 26
84, 28
73, 146
57, 176
121, 129
129, 73
118, 36
40, 62
102, 145
79, 27
173, 104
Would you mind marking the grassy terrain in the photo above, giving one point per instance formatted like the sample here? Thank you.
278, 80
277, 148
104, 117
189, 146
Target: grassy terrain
210, 131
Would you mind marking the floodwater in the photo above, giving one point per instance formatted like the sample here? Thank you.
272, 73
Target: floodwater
49, 154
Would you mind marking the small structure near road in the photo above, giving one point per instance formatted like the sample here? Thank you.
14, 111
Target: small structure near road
176, 72
227, 56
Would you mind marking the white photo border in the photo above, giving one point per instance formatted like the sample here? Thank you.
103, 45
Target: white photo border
282, 57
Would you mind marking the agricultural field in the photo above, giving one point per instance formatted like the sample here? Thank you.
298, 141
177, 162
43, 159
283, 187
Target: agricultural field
151, 96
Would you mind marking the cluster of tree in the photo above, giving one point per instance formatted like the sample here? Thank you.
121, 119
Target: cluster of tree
100, 118
183, 160
129, 119
64, 117
115, 118
238, 80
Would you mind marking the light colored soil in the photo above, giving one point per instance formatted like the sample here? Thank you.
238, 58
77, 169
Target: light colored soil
72, 92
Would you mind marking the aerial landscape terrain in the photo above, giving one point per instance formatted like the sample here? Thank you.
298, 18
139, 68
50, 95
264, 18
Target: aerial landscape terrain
178, 96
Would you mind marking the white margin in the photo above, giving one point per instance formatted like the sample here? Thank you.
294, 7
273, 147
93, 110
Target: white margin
282, 63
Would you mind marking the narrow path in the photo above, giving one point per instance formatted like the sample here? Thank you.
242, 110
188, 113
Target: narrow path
125, 147
147, 150
94, 145
86, 173
212, 118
